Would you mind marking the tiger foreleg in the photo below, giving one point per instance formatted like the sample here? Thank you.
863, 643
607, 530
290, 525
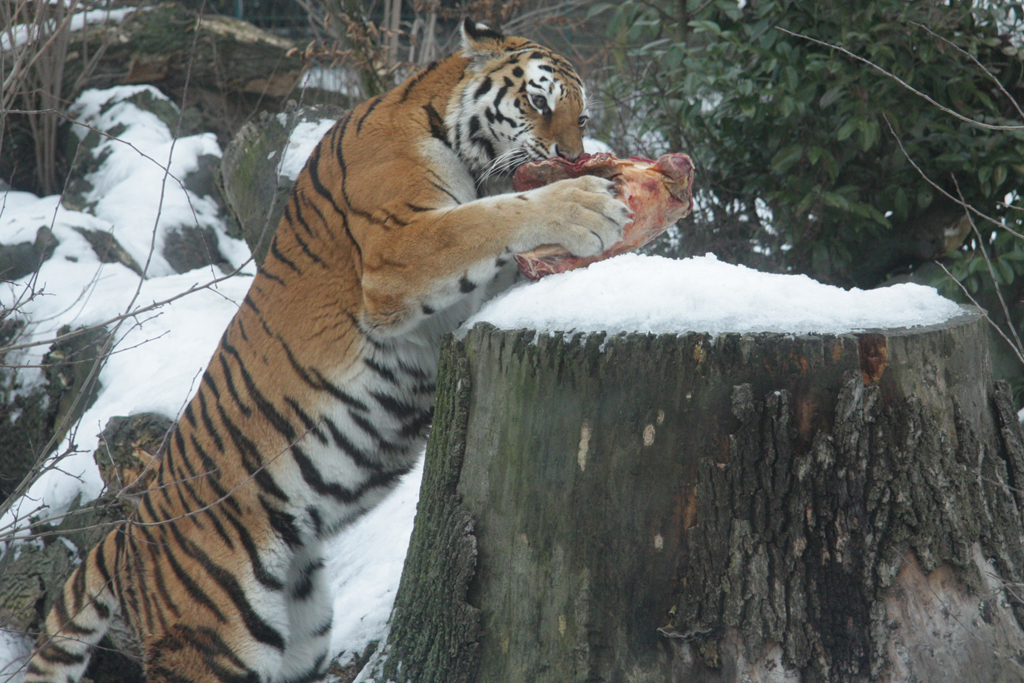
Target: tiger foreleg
458, 249
580, 214
310, 615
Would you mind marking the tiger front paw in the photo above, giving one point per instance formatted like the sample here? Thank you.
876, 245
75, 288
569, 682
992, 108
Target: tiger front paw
581, 215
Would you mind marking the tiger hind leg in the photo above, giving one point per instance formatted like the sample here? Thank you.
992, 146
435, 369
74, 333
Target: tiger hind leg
191, 654
80, 617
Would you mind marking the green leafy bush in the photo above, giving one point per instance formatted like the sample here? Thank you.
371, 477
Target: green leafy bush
815, 132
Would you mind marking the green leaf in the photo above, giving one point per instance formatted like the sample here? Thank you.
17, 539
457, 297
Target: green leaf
837, 201
758, 29
706, 25
820, 259
806, 203
1005, 270
830, 96
786, 157
792, 78
924, 197
869, 135
901, 204
877, 216
655, 45
999, 176
847, 129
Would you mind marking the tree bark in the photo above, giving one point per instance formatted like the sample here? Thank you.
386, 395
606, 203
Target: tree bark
688, 508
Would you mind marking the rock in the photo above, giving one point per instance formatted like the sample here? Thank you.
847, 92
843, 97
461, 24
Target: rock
253, 189
85, 159
17, 153
72, 368
191, 247
27, 573
33, 573
203, 180
231, 67
19, 260
126, 452
108, 249
36, 420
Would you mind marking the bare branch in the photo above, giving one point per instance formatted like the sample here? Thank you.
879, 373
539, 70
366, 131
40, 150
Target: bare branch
968, 207
1016, 350
977, 63
991, 270
889, 74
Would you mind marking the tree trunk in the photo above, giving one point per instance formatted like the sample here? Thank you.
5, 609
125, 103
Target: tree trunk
688, 508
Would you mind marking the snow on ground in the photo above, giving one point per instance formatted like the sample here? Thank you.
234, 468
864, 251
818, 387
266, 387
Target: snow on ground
155, 366
365, 565
13, 649
635, 293
115, 196
135, 200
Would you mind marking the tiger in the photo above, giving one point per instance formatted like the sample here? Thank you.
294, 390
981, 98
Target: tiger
320, 394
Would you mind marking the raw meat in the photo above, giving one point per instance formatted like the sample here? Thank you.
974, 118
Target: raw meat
658, 192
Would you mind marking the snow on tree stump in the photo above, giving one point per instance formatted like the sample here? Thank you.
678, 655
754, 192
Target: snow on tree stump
756, 507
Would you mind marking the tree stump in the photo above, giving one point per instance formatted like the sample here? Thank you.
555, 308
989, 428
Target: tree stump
734, 508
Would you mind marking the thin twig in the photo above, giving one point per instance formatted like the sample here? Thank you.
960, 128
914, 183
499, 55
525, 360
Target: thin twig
899, 80
977, 63
1016, 350
128, 314
968, 207
991, 271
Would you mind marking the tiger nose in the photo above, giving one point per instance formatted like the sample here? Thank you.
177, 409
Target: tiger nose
565, 154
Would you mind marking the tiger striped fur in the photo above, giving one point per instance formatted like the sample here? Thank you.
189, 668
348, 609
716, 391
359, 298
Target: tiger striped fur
321, 392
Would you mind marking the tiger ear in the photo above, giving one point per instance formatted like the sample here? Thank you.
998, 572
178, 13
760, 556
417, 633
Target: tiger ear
480, 42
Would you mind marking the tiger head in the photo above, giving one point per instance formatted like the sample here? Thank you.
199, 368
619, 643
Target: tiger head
519, 102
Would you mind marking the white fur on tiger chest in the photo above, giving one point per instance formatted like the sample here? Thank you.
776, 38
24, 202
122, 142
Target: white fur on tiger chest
377, 428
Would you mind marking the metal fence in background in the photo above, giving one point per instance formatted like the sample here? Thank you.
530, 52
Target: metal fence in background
283, 17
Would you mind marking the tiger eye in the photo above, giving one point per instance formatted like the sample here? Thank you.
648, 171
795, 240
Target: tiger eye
539, 102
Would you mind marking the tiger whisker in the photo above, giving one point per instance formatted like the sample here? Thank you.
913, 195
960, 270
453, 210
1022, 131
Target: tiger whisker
502, 164
507, 166
493, 167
